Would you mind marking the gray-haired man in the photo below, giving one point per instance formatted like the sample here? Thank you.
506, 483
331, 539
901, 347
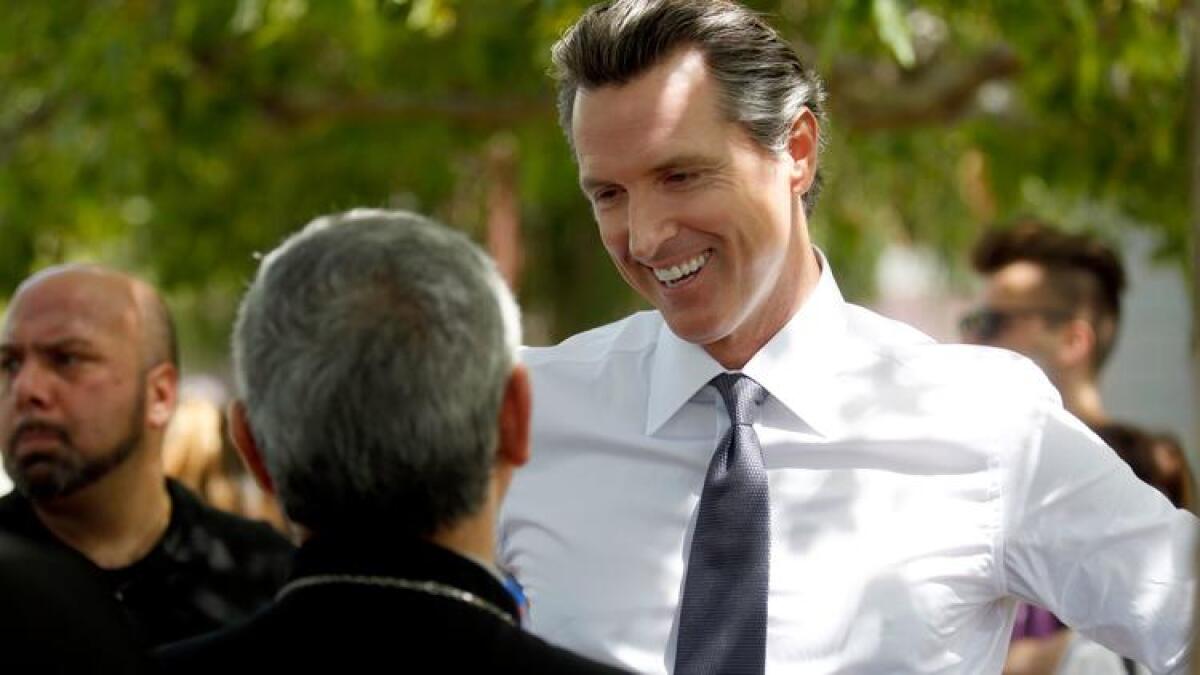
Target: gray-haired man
759, 476
380, 400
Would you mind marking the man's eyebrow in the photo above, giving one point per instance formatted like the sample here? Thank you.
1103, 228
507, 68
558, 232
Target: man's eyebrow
587, 183
67, 342
51, 345
689, 160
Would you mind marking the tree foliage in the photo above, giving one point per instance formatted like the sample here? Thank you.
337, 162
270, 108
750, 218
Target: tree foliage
177, 138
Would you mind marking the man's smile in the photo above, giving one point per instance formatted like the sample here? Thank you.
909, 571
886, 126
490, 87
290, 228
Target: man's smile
678, 274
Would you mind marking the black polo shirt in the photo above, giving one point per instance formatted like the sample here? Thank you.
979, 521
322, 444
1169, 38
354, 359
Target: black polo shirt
209, 569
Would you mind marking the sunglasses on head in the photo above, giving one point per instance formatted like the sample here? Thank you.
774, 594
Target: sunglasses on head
986, 323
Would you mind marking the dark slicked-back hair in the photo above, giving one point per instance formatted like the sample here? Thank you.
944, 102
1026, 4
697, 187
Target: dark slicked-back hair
762, 81
1083, 274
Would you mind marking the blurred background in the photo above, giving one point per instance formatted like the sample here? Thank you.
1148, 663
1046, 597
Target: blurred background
177, 138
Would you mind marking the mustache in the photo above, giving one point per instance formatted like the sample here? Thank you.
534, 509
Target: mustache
39, 426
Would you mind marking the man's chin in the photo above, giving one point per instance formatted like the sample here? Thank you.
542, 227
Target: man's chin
44, 478
692, 328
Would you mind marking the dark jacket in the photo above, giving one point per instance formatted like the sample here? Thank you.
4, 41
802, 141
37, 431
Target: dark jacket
209, 570
369, 626
55, 617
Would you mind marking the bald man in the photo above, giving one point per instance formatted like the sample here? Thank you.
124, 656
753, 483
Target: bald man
88, 378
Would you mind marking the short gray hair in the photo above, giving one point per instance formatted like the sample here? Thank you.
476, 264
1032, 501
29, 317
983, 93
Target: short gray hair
372, 352
764, 86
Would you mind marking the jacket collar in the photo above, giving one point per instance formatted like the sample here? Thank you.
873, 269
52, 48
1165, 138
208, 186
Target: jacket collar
374, 552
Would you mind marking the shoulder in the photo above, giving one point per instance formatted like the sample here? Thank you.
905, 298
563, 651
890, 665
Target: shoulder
635, 333
525, 652
226, 526
58, 615
920, 361
617, 353
16, 513
892, 372
243, 646
871, 327
253, 548
295, 636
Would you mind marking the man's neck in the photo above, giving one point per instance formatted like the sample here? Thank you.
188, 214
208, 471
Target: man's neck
116, 521
473, 537
735, 350
1082, 399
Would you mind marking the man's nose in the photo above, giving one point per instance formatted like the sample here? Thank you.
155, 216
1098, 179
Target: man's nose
30, 386
651, 223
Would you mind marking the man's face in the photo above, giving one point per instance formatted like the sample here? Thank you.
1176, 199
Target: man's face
703, 223
1018, 313
72, 390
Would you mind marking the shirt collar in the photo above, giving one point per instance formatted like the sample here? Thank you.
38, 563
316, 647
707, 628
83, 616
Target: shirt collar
679, 370
797, 366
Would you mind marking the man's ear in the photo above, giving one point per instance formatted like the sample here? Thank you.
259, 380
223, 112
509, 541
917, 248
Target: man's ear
515, 410
1077, 343
802, 147
243, 439
162, 393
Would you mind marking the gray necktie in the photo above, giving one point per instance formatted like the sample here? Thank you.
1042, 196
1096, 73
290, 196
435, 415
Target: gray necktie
723, 614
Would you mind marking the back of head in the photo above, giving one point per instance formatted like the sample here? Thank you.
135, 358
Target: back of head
371, 352
1084, 276
1157, 459
764, 85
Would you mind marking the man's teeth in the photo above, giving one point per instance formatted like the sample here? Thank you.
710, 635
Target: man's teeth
687, 268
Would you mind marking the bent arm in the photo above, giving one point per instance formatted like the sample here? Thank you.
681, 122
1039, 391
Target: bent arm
1108, 554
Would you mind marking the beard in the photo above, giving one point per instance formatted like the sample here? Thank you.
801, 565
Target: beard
42, 476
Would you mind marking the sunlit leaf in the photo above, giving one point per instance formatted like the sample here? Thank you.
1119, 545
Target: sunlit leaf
893, 30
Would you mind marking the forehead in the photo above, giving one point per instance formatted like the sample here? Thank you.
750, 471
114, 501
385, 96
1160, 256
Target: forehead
673, 107
1017, 280
72, 306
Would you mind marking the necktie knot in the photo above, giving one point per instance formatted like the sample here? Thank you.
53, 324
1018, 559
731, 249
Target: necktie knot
742, 395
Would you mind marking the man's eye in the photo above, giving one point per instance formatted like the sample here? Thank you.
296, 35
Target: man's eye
605, 195
64, 359
9, 365
684, 177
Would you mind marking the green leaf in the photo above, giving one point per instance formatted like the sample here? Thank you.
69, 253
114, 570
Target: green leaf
893, 30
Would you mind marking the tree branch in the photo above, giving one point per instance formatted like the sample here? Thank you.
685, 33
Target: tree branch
298, 108
866, 96
870, 97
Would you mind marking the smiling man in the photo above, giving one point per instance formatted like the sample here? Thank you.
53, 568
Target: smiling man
697, 216
757, 476
88, 378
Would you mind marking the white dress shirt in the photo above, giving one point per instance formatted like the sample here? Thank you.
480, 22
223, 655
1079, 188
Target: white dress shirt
916, 491
1084, 657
